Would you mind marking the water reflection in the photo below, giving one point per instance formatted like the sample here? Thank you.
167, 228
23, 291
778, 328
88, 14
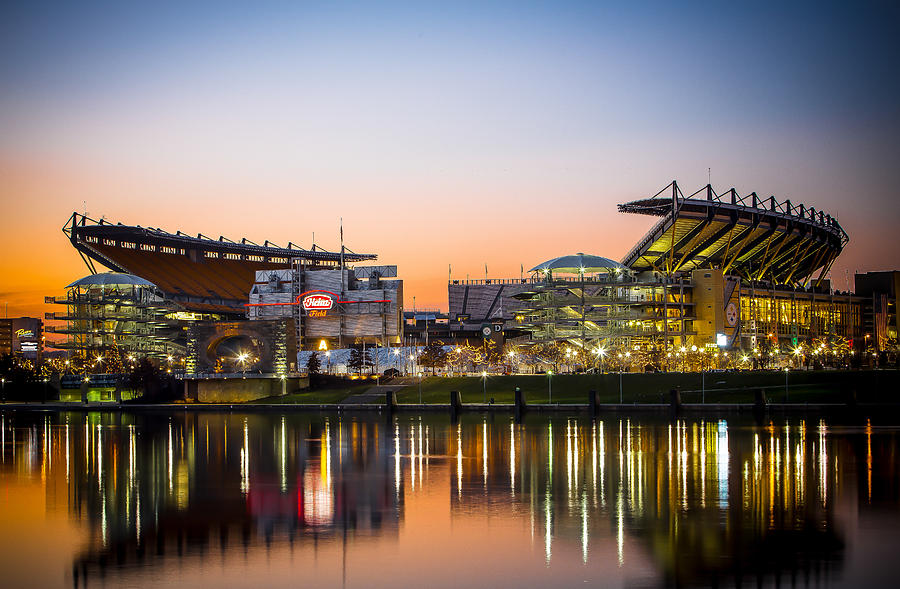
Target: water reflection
567, 499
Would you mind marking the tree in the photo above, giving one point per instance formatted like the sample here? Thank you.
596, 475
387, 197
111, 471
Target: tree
433, 356
359, 359
313, 365
552, 353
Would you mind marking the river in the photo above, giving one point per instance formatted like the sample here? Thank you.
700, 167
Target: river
197, 499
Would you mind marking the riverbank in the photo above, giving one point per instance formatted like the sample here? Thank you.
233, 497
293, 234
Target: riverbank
800, 391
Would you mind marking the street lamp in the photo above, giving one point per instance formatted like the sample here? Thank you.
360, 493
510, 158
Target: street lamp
242, 358
602, 353
484, 386
549, 386
786, 389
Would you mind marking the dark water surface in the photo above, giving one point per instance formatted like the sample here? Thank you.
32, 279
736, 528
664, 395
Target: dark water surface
269, 500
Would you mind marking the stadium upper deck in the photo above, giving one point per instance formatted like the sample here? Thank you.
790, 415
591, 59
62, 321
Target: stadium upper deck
202, 274
755, 238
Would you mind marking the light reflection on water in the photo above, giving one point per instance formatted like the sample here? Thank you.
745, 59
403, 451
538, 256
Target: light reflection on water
373, 500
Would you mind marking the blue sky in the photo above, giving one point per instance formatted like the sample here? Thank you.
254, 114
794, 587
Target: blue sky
272, 120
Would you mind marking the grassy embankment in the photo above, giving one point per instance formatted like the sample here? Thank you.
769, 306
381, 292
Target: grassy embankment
730, 387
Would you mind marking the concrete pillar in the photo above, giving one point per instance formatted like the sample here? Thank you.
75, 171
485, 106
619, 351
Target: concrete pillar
84, 391
455, 403
593, 401
390, 400
675, 400
759, 400
521, 405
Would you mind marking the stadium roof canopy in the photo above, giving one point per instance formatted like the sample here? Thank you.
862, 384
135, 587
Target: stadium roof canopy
756, 238
111, 278
202, 274
579, 263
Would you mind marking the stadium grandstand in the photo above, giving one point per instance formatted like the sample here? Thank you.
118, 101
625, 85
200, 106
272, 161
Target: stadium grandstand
202, 274
746, 236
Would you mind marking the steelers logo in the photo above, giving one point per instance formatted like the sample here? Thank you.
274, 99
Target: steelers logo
731, 315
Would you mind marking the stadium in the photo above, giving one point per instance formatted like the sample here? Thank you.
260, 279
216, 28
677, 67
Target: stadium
201, 274
169, 291
717, 272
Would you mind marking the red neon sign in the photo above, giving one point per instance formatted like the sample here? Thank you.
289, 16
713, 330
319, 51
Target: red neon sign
317, 298
317, 302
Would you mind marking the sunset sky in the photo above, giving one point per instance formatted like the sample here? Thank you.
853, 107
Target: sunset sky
453, 133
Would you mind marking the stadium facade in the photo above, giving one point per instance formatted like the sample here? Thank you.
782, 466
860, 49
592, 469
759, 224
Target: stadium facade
332, 308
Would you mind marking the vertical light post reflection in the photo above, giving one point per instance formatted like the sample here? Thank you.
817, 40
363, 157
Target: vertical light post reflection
722, 460
397, 460
512, 458
550, 450
459, 460
683, 458
575, 453
169, 456
100, 459
484, 451
585, 536
283, 465
548, 522
702, 463
620, 526
421, 471
131, 456
326, 450
594, 455
869, 458
87, 444
602, 459
67, 449
47, 451
412, 457
823, 463
569, 456
245, 462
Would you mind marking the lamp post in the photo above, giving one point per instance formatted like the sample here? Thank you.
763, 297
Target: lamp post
786, 389
484, 386
549, 386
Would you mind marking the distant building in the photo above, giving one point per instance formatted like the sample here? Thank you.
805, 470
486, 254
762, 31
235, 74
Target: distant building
880, 319
22, 336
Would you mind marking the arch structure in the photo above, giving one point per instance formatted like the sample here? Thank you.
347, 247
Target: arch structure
266, 347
